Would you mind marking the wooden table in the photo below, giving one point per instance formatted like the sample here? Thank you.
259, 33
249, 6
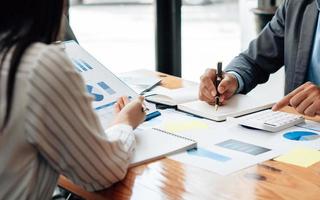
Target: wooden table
168, 179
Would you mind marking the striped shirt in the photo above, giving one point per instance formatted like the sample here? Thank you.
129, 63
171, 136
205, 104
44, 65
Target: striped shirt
53, 130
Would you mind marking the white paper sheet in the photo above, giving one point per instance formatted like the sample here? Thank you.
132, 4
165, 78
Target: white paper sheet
224, 160
311, 125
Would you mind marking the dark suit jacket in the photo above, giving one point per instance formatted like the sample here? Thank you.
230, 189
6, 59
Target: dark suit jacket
286, 41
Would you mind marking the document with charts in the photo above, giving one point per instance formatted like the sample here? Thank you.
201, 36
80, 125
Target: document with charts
105, 88
225, 147
101, 83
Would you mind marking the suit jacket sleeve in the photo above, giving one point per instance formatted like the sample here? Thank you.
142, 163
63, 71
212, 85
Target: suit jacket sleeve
265, 54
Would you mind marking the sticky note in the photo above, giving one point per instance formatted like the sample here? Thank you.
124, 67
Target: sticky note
301, 156
181, 126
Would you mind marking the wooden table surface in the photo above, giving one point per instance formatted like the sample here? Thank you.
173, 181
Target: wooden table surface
168, 179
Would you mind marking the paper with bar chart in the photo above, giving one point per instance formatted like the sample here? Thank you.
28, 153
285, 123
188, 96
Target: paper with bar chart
101, 84
225, 147
219, 150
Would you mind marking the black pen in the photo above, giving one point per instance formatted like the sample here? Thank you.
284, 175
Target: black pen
218, 80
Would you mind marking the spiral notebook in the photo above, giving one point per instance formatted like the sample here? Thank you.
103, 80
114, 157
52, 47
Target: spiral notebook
153, 143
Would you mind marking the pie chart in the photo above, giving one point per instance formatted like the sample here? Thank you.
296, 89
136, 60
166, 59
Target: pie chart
301, 136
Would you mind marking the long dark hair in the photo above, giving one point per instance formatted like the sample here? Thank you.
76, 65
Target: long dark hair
23, 22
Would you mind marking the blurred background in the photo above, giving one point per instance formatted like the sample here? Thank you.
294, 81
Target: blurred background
121, 33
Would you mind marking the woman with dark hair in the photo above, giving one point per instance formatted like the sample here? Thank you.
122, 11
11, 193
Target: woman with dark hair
47, 124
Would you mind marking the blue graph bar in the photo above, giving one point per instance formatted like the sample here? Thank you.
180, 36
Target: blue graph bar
97, 97
76, 66
86, 64
243, 147
106, 105
106, 87
208, 154
80, 65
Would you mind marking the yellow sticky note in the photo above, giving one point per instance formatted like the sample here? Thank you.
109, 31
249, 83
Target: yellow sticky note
302, 156
181, 126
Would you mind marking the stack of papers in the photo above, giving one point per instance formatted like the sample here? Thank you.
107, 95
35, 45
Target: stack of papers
140, 83
224, 147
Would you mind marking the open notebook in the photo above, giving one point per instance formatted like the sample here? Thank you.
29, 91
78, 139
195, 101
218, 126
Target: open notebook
186, 99
238, 105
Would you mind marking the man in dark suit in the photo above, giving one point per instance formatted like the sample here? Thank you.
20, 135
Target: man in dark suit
292, 40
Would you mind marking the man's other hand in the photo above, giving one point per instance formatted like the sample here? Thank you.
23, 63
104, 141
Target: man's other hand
305, 99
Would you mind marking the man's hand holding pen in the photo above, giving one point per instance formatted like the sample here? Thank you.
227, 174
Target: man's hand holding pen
209, 89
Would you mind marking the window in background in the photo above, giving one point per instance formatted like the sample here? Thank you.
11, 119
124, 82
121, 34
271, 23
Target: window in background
210, 33
119, 33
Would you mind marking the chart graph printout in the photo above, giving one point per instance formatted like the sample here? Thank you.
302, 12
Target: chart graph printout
243, 147
101, 84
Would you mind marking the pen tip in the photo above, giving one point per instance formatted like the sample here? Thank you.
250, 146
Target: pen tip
216, 107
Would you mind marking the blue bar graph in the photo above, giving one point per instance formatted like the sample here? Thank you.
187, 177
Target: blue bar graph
97, 97
106, 105
106, 87
86, 64
82, 66
243, 147
208, 154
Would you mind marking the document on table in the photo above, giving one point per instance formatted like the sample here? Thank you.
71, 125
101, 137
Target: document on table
140, 83
101, 83
311, 125
225, 148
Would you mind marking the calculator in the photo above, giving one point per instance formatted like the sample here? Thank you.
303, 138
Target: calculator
268, 120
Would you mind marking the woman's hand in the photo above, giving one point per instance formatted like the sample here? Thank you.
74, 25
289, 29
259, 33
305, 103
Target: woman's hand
131, 113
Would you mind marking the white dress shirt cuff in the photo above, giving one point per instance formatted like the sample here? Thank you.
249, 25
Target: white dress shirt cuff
239, 79
114, 132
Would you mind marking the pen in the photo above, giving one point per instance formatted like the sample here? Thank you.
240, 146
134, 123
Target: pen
218, 80
145, 109
152, 115
150, 87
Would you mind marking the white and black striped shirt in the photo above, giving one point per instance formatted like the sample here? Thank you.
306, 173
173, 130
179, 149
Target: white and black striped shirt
53, 130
